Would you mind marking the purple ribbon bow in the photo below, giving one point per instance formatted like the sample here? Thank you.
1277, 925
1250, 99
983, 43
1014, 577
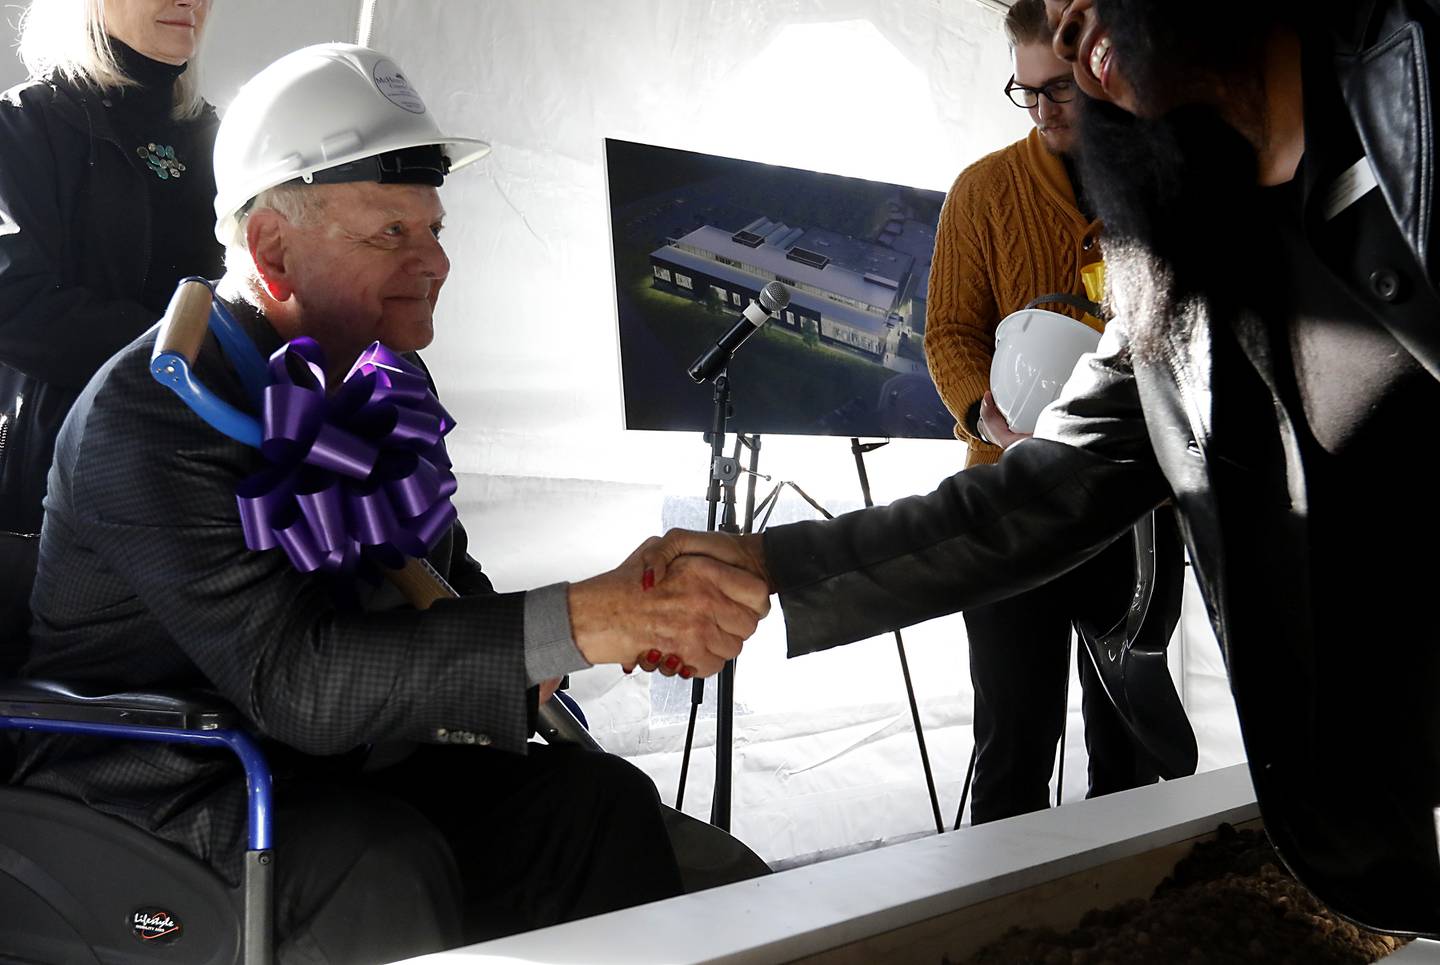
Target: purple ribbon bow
360, 472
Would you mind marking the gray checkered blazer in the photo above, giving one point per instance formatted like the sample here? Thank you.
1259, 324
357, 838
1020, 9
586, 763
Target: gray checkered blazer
145, 581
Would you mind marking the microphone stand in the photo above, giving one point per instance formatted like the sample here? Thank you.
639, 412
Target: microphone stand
720, 494
714, 365
725, 694
724, 471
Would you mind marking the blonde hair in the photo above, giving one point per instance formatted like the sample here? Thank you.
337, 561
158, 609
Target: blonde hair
68, 38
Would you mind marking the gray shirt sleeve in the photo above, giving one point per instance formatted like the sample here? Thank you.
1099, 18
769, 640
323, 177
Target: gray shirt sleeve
550, 650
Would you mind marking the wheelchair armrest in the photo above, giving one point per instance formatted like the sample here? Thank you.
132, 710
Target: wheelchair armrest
174, 709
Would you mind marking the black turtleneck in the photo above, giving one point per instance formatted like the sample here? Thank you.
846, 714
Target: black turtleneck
179, 178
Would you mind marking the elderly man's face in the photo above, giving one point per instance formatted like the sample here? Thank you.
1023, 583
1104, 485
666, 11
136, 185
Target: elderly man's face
370, 268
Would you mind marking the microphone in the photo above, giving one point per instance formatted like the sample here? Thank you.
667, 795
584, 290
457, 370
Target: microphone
773, 298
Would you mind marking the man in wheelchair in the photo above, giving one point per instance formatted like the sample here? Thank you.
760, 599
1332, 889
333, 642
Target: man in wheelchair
411, 814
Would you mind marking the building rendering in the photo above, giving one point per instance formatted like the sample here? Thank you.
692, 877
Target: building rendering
859, 295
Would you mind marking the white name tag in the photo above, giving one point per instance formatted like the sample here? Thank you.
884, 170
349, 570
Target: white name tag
1349, 187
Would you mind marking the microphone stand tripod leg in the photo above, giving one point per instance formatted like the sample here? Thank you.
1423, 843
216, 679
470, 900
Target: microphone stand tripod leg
697, 697
859, 451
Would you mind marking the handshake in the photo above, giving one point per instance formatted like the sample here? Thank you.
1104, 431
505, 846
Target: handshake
682, 604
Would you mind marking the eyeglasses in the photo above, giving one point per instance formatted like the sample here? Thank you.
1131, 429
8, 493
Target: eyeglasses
1058, 91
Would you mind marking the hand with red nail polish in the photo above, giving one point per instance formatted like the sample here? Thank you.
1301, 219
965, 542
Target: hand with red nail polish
698, 610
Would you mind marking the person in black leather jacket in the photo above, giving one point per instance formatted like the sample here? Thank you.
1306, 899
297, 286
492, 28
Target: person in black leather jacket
1273, 369
105, 202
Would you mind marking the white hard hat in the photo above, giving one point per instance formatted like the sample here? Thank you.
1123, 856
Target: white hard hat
331, 112
1035, 352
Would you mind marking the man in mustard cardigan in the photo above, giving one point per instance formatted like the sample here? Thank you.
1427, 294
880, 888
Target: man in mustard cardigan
1015, 227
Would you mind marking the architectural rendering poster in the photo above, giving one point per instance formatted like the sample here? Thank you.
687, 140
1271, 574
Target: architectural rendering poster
697, 237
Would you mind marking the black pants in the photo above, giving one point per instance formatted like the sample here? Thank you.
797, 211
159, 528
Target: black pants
1018, 667
459, 844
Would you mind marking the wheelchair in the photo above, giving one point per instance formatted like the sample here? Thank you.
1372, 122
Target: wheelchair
78, 886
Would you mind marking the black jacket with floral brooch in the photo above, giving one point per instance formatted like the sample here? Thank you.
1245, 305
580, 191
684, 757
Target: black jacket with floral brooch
92, 240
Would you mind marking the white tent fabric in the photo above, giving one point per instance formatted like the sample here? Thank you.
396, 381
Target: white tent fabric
552, 486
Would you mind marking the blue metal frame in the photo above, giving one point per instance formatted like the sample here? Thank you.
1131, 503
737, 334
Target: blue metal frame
260, 804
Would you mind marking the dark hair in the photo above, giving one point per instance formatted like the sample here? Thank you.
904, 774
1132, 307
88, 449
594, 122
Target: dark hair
1164, 54
1180, 193
1025, 23
1164, 183
1181, 187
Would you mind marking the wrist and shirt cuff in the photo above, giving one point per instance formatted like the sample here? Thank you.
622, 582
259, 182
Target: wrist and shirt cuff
550, 650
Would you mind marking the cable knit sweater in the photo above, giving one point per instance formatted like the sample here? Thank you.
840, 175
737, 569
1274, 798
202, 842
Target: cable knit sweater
1009, 232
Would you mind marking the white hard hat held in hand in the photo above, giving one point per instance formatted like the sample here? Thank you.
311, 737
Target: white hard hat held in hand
331, 112
1035, 352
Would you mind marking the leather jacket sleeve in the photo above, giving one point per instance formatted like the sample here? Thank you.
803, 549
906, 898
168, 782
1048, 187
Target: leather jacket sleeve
986, 533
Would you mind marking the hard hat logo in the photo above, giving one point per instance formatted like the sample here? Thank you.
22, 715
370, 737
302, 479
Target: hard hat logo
397, 90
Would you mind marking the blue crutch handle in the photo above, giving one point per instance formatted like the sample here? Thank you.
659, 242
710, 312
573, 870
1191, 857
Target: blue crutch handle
193, 311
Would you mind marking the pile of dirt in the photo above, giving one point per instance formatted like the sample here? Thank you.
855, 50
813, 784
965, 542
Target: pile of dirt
1229, 900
